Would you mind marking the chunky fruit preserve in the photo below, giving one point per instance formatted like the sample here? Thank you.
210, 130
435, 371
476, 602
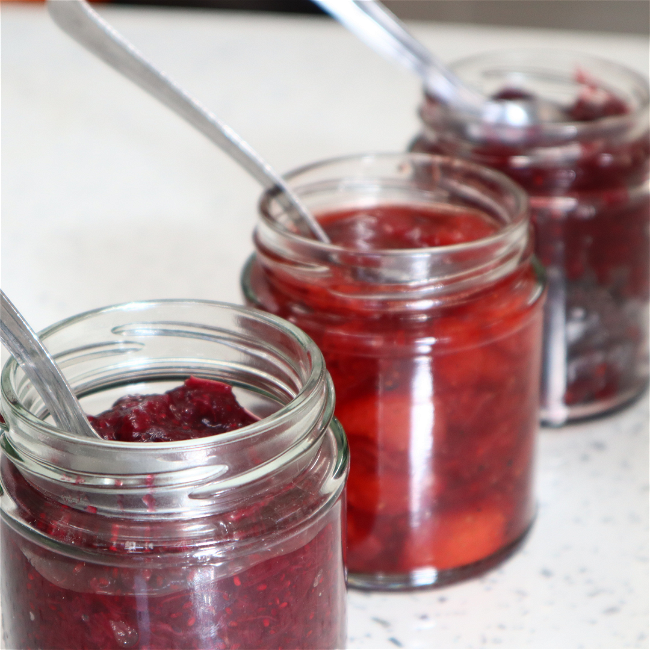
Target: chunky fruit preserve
428, 314
56, 602
255, 572
198, 408
587, 178
401, 227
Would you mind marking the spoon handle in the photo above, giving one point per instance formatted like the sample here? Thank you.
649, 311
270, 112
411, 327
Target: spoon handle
41, 369
381, 30
78, 20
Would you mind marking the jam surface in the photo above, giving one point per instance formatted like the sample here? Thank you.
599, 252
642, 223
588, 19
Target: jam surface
399, 227
591, 214
593, 103
148, 591
439, 403
198, 408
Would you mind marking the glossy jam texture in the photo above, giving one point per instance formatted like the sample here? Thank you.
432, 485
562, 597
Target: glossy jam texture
591, 213
394, 227
439, 403
150, 594
197, 409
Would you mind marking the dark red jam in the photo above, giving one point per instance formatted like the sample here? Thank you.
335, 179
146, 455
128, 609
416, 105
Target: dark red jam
593, 103
439, 402
198, 408
591, 213
121, 585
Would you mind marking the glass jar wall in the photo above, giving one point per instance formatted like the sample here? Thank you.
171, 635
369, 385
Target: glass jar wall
587, 178
227, 541
434, 353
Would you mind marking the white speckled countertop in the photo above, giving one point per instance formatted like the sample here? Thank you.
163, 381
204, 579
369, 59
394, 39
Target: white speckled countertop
107, 197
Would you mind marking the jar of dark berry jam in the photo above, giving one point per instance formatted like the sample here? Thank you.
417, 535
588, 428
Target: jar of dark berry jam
232, 540
587, 178
427, 308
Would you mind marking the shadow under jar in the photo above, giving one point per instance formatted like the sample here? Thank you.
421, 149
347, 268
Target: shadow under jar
227, 541
434, 353
587, 179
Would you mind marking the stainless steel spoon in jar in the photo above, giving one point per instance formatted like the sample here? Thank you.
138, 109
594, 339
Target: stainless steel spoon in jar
41, 369
76, 18
381, 30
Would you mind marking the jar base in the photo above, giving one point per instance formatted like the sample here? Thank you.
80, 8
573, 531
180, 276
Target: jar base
430, 577
558, 417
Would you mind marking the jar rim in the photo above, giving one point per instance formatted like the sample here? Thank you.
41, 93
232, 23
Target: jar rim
279, 368
19, 410
519, 219
551, 60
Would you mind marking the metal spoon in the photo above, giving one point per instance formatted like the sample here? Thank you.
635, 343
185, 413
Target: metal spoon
76, 18
380, 29
44, 373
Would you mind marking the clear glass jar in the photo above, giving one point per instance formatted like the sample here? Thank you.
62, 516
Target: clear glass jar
229, 541
434, 353
587, 179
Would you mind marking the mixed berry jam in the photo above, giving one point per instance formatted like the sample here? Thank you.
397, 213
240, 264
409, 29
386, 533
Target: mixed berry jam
438, 401
198, 408
591, 213
593, 103
108, 583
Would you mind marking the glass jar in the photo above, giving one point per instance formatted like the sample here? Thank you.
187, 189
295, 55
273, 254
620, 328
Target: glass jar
434, 353
587, 179
229, 541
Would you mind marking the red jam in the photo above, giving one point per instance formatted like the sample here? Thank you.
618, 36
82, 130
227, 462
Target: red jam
439, 403
385, 227
591, 213
593, 103
198, 408
291, 599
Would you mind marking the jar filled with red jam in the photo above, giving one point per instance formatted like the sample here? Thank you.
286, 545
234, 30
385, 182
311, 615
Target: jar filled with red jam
208, 512
584, 164
427, 308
